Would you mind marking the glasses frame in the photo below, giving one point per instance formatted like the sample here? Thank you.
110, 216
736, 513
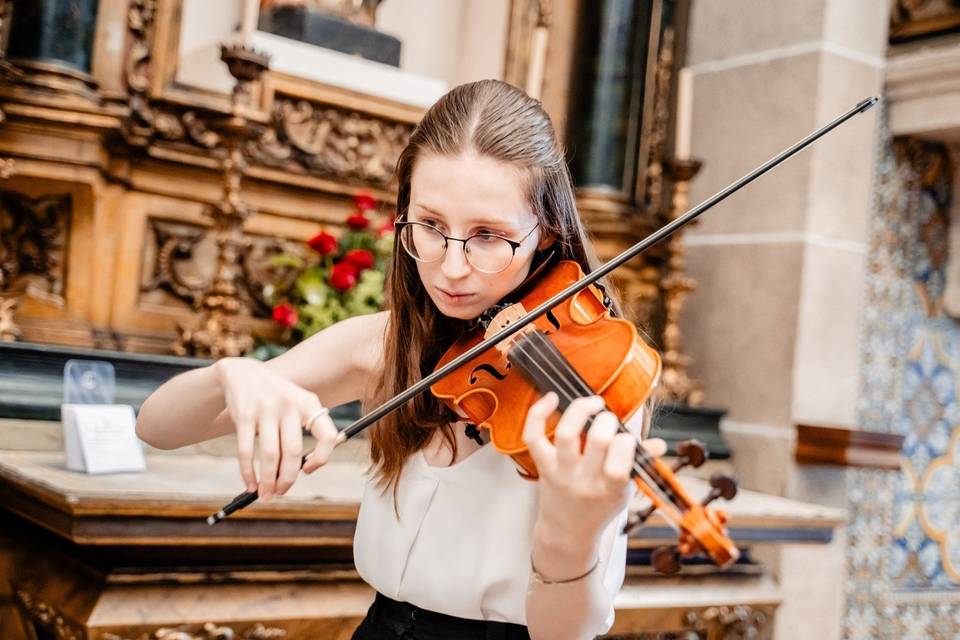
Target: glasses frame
514, 244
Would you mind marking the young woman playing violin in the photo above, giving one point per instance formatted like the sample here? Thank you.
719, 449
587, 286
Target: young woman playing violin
456, 543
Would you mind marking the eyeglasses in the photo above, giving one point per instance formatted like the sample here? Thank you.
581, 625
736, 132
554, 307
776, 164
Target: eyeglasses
486, 252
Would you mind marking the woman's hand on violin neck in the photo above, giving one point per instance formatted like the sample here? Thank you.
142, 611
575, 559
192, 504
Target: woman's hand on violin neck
269, 412
581, 491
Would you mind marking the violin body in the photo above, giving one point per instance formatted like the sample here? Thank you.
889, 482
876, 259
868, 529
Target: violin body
578, 349
607, 352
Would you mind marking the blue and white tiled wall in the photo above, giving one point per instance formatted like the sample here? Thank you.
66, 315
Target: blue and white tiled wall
903, 557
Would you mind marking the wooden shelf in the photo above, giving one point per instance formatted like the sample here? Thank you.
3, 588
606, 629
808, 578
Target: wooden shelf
848, 447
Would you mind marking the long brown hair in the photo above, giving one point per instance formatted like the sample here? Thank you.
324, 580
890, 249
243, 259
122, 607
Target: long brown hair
497, 120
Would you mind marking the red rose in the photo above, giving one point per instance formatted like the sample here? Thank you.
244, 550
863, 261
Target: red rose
323, 243
358, 221
360, 258
343, 276
364, 202
285, 315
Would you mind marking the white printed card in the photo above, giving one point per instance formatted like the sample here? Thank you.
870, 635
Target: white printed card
101, 438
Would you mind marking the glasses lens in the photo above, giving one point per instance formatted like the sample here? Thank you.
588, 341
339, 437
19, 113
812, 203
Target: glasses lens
422, 242
489, 253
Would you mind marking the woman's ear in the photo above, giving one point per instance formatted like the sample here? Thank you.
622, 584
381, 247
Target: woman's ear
546, 240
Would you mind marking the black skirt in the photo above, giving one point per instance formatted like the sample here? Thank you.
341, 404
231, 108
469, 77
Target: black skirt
391, 620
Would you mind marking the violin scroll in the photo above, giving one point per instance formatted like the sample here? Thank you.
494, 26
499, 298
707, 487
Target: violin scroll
701, 529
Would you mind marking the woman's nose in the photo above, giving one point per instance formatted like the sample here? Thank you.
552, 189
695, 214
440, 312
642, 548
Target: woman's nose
455, 264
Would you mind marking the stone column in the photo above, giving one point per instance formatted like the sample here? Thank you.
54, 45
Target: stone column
773, 327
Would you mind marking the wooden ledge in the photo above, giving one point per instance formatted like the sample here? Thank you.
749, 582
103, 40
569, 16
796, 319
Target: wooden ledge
848, 447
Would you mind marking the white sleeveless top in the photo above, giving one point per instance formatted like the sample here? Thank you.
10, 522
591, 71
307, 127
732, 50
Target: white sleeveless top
461, 545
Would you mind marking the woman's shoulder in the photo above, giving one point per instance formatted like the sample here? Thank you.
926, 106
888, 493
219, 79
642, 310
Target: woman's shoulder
338, 362
368, 333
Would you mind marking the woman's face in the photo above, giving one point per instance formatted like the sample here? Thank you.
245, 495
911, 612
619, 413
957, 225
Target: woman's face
462, 196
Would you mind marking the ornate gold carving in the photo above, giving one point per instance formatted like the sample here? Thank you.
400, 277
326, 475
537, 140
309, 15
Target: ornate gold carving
9, 331
209, 631
148, 120
304, 137
33, 236
314, 138
174, 262
144, 121
246, 64
218, 334
675, 383
174, 248
660, 121
48, 618
33, 233
920, 18
730, 623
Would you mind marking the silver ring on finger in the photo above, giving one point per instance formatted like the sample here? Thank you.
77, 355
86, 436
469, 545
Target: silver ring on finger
319, 414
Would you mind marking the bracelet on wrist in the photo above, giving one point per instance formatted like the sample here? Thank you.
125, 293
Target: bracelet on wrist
539, 578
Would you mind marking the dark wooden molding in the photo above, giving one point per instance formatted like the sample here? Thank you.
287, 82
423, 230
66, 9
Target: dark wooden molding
818, 444
910, 20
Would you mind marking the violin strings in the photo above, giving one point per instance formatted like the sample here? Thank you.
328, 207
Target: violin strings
642, 467
643, 463
562, 366
565, 376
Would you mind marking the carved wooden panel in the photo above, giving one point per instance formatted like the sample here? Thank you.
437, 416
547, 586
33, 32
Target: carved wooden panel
33, 243
330, 141
179, 259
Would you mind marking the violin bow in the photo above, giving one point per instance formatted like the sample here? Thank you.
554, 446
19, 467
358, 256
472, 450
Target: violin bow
657, 236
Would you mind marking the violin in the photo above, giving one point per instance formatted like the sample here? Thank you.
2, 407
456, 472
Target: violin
624, 383
579, 349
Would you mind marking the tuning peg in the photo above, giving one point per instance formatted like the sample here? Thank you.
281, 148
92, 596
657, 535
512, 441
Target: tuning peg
637, 519
666, 560
722, 486
690, 452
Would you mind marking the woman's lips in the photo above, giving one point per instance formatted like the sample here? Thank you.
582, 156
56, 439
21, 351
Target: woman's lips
455, 298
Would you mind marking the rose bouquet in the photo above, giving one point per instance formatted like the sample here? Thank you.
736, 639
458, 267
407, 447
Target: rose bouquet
341, 276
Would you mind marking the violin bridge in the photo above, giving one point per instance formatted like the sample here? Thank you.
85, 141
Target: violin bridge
503, 319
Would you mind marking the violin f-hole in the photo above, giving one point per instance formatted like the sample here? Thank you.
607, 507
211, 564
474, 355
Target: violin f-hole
490, 369
552, 319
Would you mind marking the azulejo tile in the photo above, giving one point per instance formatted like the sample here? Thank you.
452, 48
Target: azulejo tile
904, 532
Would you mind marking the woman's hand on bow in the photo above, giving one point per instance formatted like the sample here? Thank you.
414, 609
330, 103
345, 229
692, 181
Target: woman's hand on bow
270, 411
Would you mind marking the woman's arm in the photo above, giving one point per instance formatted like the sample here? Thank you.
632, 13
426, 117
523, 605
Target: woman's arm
581, 494
268, 400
